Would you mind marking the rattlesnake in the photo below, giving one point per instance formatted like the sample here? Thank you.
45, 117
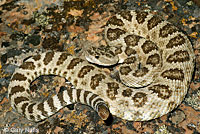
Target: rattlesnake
156, 63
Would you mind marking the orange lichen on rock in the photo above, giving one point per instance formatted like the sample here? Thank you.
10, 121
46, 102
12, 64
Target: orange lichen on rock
75, 12
174, 8
71, 49
192, 118
194, 34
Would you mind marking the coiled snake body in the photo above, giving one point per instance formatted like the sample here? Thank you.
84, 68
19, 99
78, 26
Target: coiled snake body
156, 64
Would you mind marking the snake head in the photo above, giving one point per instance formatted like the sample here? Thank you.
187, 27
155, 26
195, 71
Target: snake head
102, 55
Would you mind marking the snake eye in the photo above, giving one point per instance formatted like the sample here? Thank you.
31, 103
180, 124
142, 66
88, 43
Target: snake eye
97, 56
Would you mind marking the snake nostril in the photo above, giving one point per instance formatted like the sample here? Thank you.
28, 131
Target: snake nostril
97, 56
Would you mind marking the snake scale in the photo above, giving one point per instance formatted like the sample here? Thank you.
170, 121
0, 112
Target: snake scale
156, 62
